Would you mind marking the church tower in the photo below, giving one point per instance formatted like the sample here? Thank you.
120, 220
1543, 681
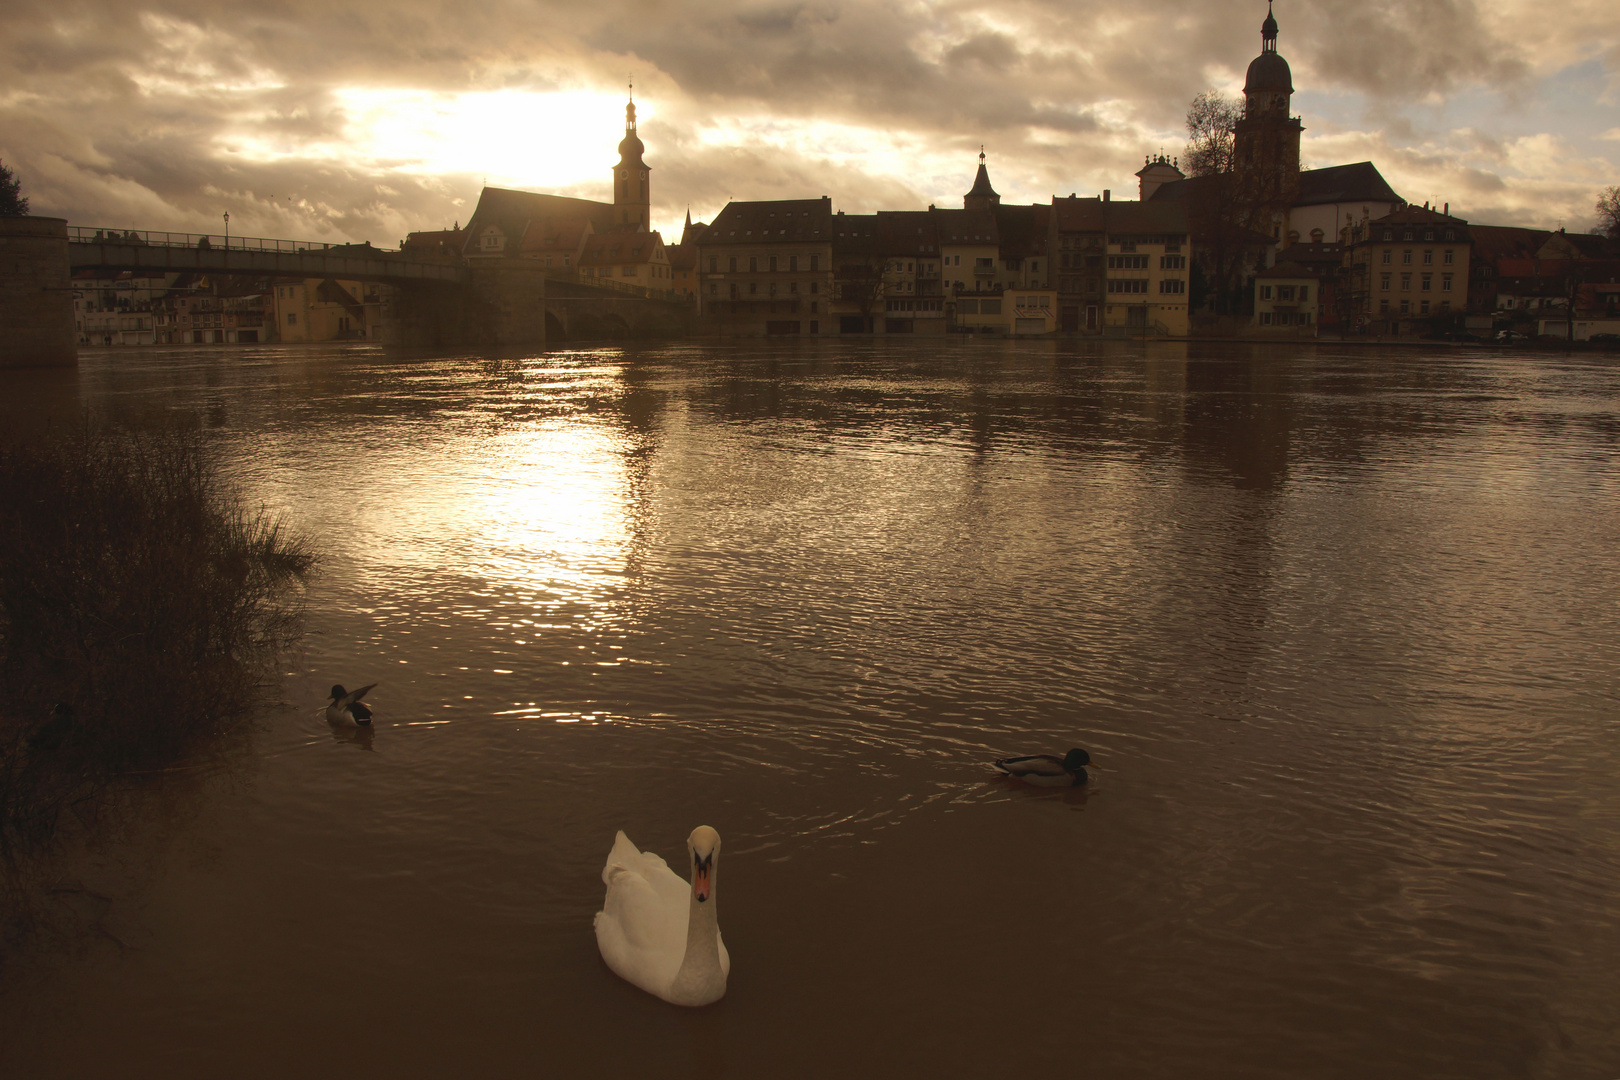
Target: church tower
632, 194
1266, 143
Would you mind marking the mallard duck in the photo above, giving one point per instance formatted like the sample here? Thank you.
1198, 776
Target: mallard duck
346, 707
1044, 770
659, 933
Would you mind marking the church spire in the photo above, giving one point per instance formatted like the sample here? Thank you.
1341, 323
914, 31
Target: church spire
983, 196
1268, 31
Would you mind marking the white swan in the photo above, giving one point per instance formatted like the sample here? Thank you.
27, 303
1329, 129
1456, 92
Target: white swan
657, 932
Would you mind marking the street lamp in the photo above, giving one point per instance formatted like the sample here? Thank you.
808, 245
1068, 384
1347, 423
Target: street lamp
227, 230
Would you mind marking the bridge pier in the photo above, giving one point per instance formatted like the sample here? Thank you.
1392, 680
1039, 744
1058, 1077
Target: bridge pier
36, 294
502, 304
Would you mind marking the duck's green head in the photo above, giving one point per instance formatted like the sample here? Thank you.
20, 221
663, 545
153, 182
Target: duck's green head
1075, 760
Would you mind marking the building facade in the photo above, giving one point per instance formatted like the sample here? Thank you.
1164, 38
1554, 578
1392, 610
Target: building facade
1412, 264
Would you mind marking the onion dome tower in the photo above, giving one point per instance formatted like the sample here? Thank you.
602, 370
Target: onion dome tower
1266, 141
983, 196
632, 194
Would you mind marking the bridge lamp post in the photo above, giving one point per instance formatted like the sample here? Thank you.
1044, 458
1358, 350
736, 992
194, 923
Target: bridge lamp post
227, 230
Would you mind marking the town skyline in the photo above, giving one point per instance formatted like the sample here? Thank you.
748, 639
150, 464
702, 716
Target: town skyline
191, 110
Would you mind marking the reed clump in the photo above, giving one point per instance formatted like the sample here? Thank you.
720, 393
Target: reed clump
141, 606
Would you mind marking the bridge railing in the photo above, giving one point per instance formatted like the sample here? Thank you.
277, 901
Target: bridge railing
85, 234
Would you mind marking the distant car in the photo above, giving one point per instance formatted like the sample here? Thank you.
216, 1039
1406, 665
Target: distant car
1604, 339
1509, 335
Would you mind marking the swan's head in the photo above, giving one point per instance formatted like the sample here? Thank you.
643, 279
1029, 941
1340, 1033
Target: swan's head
1075, 760
704, 844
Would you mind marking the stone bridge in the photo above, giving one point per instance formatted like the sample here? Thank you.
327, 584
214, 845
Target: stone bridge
428, 301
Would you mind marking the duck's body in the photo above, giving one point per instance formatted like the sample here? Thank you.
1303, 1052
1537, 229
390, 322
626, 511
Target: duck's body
659, 933
346, 708
1045, 770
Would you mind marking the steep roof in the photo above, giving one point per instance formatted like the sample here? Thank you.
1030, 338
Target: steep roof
555, 234
1145, 217
511, 211
967, 226
1357, 182
776, 221
1420, 215
1023, 230
1492, 242
1079, 215
908, 232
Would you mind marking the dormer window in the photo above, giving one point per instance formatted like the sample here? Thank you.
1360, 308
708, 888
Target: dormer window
492, 239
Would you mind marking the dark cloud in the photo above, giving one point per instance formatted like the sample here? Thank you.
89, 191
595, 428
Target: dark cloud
159, 113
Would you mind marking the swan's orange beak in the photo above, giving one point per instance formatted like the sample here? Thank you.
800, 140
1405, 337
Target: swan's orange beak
702, 871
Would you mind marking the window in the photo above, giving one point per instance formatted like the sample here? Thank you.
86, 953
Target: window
1265, 318
714, 264
1450, 257
1128, 286
1383, 307
753, 264
1428, 234
1172, 286
1445, 282
1389, 234
1451, 234
1304, 293
793, 262
1285, 292
734, 264
1406, 283
753, 287
292, 318
627, 271
1172, 262
815, 286
773, 288
793, 286
1406, 257
1407, 235
815, 264
1128, 262
1425, 309
958, 261
1388, 256
1445, 306
1428, 257
773, 264
1406, 307
814, 306
1428, 282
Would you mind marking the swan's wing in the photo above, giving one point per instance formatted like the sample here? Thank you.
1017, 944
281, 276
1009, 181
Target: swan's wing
725, 957
641, 929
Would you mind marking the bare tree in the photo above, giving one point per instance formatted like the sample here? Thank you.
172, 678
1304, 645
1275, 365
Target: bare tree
1608, 210
1210, 121
13, 203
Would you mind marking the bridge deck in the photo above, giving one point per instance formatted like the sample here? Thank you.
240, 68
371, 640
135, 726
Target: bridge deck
115, 249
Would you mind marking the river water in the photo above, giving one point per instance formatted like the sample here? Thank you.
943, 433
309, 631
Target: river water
1338, 626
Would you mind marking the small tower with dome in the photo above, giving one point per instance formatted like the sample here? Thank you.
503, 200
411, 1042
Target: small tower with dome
1266, 140
632, 193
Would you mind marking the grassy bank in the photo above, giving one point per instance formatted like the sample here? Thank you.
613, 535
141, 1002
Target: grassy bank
141, 606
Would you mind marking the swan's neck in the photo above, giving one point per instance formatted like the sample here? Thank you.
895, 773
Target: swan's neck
700, 979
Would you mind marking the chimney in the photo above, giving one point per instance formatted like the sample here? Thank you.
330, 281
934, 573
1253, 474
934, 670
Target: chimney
1447, 210
1107, 195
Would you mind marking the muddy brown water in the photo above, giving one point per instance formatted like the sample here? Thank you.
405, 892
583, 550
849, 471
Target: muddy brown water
1338, 626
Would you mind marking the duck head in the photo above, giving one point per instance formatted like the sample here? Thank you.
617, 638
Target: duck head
704, 847
338, 693
1075, 760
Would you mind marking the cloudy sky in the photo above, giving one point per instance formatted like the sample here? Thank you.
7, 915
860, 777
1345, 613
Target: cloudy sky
363, 119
